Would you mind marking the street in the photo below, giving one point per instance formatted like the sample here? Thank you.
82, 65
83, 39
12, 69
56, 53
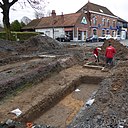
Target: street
91, 44
124, 42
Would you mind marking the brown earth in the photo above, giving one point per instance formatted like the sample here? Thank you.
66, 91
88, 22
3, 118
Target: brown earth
37, 73
121, 51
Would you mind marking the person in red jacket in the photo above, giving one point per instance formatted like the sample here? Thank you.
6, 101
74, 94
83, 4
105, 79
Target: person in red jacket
109, 54
96, 54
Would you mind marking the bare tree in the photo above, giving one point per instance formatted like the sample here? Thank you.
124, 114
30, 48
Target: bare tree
5, 5
39, 15
25, 20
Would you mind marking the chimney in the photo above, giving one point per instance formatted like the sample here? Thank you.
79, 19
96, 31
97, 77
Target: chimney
53, 13
62, 17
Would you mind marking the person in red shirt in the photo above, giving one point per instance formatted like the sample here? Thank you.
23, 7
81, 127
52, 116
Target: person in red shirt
109, 54
96, 54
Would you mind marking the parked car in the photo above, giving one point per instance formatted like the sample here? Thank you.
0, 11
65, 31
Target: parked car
103, 38
93, 38
63, 38
117, 37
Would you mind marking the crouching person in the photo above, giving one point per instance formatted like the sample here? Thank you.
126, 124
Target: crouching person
96, 54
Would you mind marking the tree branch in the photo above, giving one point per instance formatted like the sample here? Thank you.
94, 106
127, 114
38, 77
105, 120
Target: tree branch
1, 5
32, 6
13, 2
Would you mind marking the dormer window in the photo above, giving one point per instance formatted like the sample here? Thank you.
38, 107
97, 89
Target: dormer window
101, 10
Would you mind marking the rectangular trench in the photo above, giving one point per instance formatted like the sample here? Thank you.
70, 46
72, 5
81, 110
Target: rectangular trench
46, 105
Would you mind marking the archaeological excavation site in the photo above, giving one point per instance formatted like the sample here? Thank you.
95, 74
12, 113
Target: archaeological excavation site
48, 84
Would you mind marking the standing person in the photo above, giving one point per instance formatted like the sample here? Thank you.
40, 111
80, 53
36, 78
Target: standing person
109, 54
96, 54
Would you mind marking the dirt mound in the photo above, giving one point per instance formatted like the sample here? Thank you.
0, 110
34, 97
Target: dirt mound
122, 51
13, 51
7, 48
39, 44
34, 44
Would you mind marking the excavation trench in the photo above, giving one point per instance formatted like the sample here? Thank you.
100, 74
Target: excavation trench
60, 107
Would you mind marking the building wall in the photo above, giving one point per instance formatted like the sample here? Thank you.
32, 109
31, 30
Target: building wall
78, 31
52, 32
99, 24
81, 28
102, 22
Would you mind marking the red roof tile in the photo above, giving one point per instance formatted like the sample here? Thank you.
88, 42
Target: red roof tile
59, 21
32, 24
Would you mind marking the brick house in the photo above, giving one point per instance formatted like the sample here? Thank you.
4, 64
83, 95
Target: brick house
75, 25
91, 19
102, 20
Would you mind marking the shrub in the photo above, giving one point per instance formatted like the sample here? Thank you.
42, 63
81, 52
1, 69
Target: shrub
19, 35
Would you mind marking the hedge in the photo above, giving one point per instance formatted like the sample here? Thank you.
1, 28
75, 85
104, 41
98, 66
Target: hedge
19, 35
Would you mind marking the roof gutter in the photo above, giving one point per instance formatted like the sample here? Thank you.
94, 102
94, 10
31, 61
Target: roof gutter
102, 14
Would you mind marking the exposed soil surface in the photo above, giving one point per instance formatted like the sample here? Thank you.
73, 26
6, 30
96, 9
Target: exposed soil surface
63, 113
37, 74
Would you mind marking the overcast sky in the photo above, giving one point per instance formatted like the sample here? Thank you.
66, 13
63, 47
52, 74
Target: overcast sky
119, 8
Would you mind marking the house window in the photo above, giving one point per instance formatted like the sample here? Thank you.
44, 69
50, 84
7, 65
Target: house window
107, 32
114, 23
94, 32
79, 35
69, 34
108, 22
113, 33
103, 21
94, 21
56, 33
118, 32
47, 33
85, 33
103, 33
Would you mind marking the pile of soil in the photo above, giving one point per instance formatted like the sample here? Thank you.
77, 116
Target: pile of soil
13, 51
121, 50
39, 44
29, 66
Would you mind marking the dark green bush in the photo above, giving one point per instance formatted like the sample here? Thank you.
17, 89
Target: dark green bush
19, 35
